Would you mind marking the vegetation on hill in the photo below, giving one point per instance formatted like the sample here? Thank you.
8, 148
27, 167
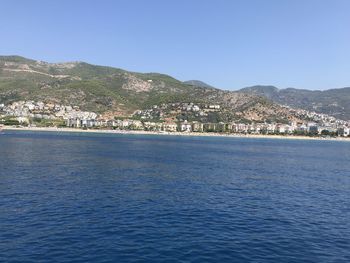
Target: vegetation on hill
334, 102
117, 92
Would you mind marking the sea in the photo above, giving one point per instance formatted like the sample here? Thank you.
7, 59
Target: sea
82, 197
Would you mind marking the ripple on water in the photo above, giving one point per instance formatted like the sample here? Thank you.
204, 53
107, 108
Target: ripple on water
118, 198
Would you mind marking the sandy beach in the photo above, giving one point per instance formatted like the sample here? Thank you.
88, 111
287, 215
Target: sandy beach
195, 134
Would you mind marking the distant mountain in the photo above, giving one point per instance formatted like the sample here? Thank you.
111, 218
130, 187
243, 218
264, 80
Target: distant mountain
198, 83
334, 102
116, 92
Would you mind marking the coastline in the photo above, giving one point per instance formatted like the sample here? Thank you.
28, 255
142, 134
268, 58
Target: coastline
194, 134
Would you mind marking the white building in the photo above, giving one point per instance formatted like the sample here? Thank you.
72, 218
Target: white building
344, 131
185, 127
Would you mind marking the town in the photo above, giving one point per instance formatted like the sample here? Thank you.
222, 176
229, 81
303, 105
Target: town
171, 117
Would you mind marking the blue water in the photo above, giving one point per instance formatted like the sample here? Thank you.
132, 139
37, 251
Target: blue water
128, 198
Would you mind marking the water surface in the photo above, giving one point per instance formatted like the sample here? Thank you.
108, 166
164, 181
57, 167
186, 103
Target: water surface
132, 198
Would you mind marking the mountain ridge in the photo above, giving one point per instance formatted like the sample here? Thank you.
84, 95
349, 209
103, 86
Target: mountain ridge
198, 83
334, 102
118, 92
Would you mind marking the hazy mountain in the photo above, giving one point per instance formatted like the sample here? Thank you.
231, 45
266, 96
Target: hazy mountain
335, 102
198, 83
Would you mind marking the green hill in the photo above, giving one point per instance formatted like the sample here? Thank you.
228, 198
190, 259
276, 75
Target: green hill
114, 91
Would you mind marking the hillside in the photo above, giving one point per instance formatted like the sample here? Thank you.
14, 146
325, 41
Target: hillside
334, 102
198, 83
116, 92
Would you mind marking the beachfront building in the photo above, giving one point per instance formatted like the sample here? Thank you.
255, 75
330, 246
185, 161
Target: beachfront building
254, 128
280, 128
169, 127
74, 123
238, 128
209, 127
136, 125
197, 126
185, 127
82, 123
301, 128
152, 126
313, 129
344, 131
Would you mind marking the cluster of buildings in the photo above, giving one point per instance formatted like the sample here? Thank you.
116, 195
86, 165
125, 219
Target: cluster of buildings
155, 120
317, 117
319, 123
176, 108
25, 111
310, 128
123, 124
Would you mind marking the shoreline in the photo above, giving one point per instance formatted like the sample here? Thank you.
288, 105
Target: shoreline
194, 134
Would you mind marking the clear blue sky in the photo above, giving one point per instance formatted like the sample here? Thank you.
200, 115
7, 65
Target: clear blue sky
227, 43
